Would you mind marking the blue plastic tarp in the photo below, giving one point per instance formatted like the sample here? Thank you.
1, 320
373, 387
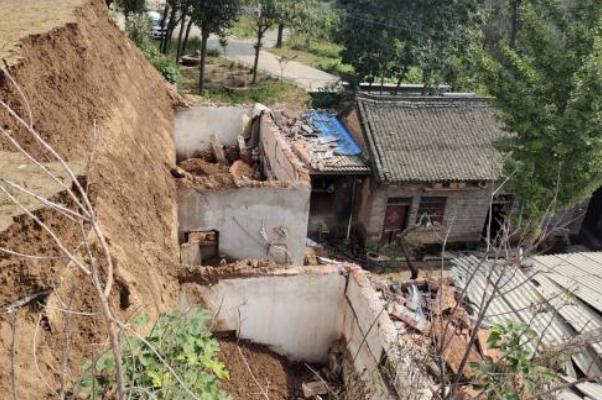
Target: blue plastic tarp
333, 131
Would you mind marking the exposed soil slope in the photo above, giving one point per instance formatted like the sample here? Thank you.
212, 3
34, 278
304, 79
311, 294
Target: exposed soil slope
79, 70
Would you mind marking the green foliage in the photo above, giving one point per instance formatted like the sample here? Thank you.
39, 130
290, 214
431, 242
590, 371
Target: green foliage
138, 29
213, 17
328, 99
244, 28
517, 375
547, 89
429, 34
194, 44
167, 66
185, 344
213, 53
132, 6
310, 20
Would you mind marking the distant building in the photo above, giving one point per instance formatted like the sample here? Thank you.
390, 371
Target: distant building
432, 160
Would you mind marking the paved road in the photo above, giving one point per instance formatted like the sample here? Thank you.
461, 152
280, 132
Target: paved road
307, 77
243, 51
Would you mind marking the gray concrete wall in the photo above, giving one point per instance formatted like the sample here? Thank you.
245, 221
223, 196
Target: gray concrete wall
465, 212
297, 313
301, 312
242, 216
194, 125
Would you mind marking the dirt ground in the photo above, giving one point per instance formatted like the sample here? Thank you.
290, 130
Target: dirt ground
279, 378
28, 17
78, 71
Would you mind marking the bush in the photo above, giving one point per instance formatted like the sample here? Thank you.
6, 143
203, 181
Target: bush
518, 375
194, 44
213, 53
138, 29
244, 28
187, 347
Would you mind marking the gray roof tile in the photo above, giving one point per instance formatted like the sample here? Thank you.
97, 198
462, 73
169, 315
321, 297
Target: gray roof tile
430, 139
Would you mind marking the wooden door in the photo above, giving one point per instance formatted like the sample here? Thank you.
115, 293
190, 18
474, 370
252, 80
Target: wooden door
396, 219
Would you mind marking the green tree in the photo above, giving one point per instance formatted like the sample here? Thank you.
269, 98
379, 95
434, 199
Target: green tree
132, 6
212, 16
265, 14
429, 34
138, 29
547, 89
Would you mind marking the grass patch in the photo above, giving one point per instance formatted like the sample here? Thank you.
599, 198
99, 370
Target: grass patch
244, 28
220, 71
321, 55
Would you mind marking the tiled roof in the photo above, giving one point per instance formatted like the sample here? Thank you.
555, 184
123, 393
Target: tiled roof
341, 165
430, 139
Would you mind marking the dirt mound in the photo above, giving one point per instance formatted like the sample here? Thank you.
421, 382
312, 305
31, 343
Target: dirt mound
77, 75
279, 378
200, 167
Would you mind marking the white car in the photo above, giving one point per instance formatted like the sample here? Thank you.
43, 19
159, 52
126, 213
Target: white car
157, 32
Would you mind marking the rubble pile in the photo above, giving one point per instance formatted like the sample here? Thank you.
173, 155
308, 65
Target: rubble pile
221, 165
308, 141
433, 314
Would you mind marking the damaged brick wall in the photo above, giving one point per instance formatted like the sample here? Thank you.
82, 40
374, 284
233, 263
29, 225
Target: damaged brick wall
279, 160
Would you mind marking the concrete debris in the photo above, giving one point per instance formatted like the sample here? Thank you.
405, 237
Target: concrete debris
310, 256
312, 389
218, 150
313, 142
178, 173
241, 169
431, 314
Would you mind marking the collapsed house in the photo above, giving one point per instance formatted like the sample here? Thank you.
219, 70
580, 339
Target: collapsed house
390, 163
328, 315
336, 168
557, 296
241, 192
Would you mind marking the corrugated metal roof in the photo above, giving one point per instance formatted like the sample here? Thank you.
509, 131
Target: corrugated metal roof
558, 296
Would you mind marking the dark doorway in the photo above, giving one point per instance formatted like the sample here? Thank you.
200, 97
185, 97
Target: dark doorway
497, 215
396, 219
591, 231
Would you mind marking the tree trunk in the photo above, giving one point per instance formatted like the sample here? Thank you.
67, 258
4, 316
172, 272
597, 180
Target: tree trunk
399, 80
163, 21
180, 37
185, 44
258, 45
173, 22
280, 35
382, 83
204, 39
515, 4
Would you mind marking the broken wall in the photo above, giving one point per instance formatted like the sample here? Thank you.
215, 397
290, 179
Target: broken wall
260, 223
279, 161
195, 125
297, 312
301, 312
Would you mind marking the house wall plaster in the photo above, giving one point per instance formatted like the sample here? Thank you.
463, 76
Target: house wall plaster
301, 312
240, 216
194, 126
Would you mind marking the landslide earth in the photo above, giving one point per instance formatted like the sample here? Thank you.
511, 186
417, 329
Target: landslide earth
81, 75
